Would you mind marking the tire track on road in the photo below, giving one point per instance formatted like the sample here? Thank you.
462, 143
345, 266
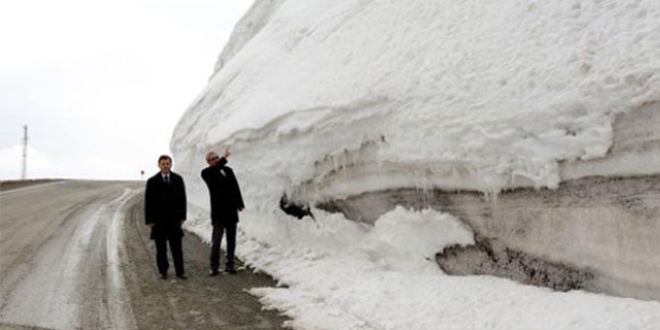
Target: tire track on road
49, 286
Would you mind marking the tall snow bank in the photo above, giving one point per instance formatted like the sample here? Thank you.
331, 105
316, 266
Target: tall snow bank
330, 98
451, 94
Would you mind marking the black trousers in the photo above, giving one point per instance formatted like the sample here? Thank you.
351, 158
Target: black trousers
218, 231
177, 254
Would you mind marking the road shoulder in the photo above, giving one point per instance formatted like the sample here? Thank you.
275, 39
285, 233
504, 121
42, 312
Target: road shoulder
201, 301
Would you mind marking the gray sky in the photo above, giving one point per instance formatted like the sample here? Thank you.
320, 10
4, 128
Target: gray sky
101, 84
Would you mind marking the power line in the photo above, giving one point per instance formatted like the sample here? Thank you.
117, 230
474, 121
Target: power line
25, 144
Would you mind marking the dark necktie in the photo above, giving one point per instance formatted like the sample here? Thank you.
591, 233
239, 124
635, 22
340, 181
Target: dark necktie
167, 179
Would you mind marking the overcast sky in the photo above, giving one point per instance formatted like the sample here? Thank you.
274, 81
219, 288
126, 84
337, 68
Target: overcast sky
101, 84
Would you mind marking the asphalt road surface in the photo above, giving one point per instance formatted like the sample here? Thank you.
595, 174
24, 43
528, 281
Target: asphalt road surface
76, 255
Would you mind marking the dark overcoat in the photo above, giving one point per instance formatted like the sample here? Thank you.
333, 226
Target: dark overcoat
165, 205
224, 193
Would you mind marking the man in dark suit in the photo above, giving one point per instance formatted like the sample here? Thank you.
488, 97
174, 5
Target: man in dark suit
226, 202
165, 212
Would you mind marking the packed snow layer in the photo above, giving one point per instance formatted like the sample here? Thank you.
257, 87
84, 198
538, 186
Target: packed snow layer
596, 234
251, 23
324, 100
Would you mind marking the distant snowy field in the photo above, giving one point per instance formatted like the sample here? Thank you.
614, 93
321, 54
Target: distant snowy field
327, 99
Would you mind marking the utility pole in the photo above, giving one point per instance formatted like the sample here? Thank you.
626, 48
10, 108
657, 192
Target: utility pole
25, 143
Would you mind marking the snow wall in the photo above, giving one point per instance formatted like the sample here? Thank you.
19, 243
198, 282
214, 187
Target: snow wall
536, 123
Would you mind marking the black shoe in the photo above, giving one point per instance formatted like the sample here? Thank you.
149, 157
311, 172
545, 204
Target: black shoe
182, 276
213, 272
163, 276
231, 270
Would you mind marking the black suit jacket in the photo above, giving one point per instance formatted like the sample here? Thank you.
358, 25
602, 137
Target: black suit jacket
224, 193
165, 205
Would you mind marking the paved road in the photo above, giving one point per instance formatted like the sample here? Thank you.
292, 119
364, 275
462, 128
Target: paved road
76, 255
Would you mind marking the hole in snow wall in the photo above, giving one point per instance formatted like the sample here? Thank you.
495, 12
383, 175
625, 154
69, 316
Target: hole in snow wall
491, 257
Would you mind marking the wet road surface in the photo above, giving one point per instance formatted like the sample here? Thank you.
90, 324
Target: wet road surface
76, 255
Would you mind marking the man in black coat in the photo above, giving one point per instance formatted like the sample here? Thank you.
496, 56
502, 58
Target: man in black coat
165, 212
226, 202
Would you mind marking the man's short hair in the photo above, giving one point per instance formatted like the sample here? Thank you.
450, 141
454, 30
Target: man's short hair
211, 155
160, 159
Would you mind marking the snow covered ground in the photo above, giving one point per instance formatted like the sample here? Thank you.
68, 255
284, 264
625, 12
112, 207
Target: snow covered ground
323, 100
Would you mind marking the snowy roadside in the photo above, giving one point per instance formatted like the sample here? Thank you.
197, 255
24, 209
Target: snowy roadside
338, 274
